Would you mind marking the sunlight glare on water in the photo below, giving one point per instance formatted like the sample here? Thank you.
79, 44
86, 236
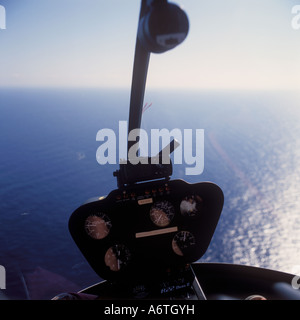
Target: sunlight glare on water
260, 223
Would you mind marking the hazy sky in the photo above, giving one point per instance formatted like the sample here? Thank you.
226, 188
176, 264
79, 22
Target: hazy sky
232, 44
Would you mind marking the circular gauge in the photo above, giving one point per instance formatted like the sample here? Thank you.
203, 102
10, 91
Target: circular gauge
182, 241
117, 257
161, 213
97, 226
191, 205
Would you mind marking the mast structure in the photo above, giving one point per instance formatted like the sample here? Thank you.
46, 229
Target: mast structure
162, 26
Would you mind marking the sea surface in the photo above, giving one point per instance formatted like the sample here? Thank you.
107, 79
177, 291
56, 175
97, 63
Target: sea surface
48, 168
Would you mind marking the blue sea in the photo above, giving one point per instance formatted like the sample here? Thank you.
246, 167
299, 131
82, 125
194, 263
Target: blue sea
48, 168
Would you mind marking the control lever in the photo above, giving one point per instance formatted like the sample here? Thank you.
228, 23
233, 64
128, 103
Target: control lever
147, 168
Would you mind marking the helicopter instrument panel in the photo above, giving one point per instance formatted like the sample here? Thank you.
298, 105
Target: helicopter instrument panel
144, 229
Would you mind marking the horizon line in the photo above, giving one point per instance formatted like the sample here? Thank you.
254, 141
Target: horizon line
167, 88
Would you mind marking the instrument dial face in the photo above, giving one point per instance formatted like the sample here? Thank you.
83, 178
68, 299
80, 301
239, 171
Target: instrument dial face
98, 226
162, 213
117, 257
191, 205
183, 240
